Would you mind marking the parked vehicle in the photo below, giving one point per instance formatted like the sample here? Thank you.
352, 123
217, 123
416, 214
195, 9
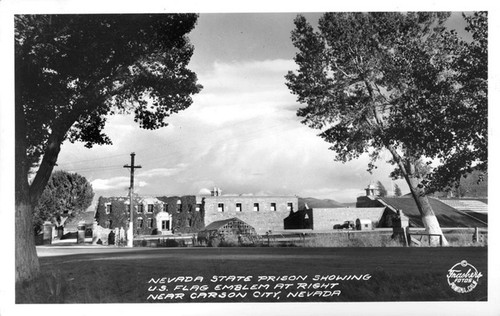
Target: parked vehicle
346, 225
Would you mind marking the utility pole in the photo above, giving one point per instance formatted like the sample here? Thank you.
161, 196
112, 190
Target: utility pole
130, 237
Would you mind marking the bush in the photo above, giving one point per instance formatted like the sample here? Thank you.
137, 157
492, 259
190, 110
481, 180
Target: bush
350, 240
171, 243
465, 239
230, 241
214, 242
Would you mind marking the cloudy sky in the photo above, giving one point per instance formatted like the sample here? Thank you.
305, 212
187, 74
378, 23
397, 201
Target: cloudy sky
241, 133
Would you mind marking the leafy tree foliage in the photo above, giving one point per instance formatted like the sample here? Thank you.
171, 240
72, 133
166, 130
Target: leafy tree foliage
397, 190
381, 189
65, 196
72, 71
392, 81
471, 153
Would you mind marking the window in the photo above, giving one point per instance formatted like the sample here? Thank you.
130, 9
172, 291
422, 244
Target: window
150, 222
109, 224
220, 207
273, 206
256, 207
140, 208
150, 208
165, 207
108, 208
140, 222
165, 225
289, 207
238, 207
198, 207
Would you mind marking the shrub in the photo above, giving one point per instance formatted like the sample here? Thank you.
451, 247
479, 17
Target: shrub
214, 242
230, 241
171, 243
465, 239
350, 240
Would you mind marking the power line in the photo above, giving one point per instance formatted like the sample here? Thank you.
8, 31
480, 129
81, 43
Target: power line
90, 168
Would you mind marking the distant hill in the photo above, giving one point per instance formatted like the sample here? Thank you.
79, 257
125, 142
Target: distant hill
350, 204
318, 203
473, 185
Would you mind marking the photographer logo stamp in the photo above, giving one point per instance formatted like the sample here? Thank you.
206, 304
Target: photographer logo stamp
463, 277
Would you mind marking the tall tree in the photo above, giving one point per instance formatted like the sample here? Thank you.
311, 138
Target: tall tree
381, 189
71, 72
65, 196
390, 81
397, 190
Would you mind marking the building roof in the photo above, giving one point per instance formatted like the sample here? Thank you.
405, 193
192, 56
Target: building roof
482, 216
467, 205
447, 216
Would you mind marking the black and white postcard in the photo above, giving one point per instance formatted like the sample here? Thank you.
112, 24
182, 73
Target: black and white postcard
265, 158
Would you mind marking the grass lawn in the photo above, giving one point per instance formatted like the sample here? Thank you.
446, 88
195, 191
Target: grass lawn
124, 275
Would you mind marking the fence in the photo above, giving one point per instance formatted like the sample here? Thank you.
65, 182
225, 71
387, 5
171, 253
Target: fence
459, 236
166, 241
340, 238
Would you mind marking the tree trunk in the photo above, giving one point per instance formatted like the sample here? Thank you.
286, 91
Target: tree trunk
429, 219
27, 265
51, 152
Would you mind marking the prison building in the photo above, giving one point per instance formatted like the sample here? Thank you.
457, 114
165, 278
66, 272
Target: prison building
264, 213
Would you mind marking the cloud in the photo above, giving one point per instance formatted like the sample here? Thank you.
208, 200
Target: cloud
115, 183
107, 184
161, 172
241, 91
240, 135
204, 191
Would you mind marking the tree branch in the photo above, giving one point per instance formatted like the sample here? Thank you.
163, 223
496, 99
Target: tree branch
51, 152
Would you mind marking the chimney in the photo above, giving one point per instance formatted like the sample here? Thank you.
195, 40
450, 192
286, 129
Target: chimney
216, 191
370, 190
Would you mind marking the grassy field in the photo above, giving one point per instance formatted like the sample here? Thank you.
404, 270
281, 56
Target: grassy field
120, 275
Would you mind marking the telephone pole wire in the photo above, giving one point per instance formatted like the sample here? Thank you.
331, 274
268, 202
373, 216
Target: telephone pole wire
130, 235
